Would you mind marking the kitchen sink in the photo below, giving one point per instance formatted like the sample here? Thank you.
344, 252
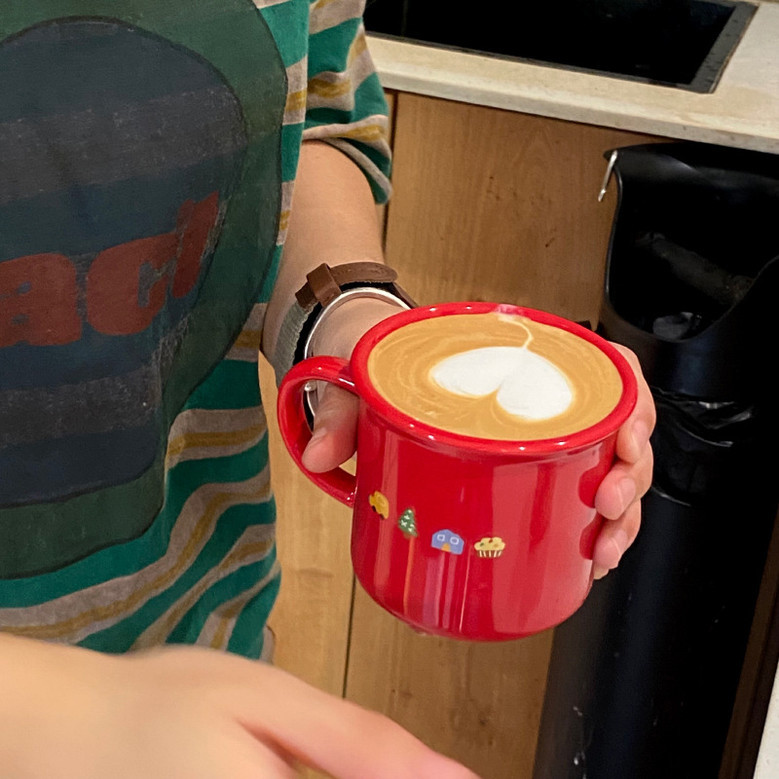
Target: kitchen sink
683, 44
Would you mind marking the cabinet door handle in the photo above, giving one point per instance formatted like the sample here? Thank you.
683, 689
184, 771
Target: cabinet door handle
609, 169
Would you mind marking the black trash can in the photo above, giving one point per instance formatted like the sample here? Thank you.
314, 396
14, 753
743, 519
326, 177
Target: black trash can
643, 677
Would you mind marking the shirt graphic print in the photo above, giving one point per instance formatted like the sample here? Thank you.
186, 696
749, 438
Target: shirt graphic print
138, 217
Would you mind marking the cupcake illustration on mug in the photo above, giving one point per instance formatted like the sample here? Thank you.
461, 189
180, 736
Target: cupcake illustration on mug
490, 547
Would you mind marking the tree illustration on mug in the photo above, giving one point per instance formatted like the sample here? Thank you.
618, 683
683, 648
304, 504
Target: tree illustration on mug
408, 523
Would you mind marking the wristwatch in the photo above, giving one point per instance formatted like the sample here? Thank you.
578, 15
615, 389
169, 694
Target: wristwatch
326, 289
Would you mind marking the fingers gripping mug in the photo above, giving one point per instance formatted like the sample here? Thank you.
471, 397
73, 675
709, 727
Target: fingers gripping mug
484, 431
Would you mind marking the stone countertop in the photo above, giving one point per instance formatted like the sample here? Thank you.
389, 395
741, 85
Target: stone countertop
768, 758
742, 111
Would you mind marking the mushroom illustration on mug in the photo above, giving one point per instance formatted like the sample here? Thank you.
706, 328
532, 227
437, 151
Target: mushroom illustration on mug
448, 541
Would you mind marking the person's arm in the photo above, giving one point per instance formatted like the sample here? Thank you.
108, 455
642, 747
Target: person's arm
333, 220
343, 172
71, 713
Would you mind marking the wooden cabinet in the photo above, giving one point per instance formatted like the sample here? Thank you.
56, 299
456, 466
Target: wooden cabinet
488, 205
499, 206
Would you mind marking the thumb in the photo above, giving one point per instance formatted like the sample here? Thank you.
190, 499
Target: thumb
335, 430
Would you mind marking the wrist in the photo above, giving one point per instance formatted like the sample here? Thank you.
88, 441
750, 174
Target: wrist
326, 291
344, 326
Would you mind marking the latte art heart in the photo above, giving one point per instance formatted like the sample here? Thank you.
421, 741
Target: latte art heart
494, 376
527, 384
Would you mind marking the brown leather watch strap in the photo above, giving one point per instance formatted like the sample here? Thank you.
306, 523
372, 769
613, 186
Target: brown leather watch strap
325, 283
324, 286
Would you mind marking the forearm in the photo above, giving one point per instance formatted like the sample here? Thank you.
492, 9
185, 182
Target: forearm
333, 220
46, 700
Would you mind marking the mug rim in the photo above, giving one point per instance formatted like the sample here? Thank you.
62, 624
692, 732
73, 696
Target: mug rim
431, 435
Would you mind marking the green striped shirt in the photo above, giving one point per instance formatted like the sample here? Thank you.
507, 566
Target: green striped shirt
149, 151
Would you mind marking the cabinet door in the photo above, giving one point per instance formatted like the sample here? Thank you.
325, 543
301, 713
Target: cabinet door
498, 205
501, 206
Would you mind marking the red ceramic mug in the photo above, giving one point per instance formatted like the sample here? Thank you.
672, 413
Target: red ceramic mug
462, 536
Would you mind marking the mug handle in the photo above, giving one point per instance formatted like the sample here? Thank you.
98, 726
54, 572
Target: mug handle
293, 424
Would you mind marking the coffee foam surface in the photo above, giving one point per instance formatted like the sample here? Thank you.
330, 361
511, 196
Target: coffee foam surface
496, 376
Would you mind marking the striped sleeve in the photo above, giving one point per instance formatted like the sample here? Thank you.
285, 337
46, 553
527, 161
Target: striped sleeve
345, 104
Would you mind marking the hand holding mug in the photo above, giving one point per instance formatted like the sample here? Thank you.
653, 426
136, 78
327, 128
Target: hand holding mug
336, 406
619, 496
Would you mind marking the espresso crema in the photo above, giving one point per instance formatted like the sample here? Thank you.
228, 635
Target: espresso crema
495, 376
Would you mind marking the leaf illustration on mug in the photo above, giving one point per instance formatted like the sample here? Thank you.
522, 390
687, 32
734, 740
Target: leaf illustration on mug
525, 384
379, 504
408, 524
448, 541
490, 546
